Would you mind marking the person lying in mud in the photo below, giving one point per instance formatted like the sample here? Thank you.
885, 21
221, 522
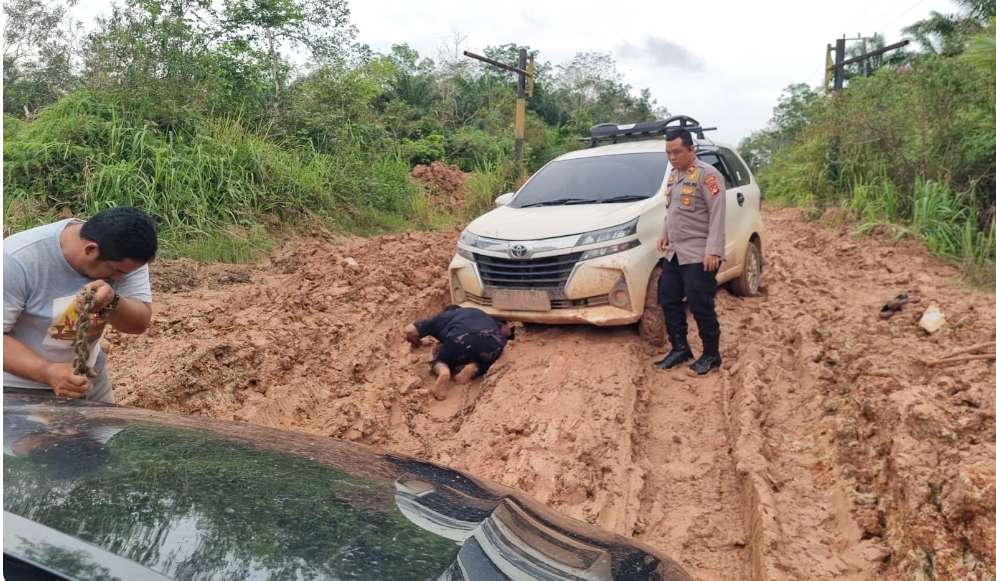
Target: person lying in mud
470, 341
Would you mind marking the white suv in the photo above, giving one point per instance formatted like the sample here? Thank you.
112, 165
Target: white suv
578, 242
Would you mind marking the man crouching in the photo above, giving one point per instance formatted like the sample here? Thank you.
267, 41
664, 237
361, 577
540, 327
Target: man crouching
470, 341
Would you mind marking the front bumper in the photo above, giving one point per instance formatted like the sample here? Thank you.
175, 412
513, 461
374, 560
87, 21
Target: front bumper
583, 299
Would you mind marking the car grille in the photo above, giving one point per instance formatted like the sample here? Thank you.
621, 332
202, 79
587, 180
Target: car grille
595, 301
535, 273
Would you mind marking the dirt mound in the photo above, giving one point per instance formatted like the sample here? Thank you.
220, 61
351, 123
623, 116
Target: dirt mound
172, 276
445, 183
311, 331
825, 449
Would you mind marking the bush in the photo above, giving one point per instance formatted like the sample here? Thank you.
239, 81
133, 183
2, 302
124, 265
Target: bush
470, 147
915, 148
84, 154
426, 150
487, 181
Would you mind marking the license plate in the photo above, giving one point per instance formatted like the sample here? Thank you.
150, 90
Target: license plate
520, 300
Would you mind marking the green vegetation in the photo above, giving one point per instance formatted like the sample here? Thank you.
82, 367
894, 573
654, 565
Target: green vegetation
911, 147
194, 111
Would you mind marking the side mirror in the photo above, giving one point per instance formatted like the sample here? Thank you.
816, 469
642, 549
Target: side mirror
504, 199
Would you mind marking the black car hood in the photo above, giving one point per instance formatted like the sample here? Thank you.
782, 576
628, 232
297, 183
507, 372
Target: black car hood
195, 498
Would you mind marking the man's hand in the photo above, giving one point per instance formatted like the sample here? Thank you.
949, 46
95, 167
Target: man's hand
663, 243
711, 262
102, 295
96, 328
65, 383
411, 335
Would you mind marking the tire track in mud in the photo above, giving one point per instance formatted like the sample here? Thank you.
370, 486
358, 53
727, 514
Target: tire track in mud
612, 441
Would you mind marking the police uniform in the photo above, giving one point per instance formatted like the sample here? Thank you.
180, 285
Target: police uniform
696, 227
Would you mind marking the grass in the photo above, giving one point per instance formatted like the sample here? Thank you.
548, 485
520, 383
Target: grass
946, 221
210, 185
230, 245
488, 181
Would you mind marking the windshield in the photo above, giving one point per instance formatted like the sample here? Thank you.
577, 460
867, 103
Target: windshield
595, 180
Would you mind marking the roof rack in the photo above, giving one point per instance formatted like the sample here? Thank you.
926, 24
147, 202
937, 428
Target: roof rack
615, 132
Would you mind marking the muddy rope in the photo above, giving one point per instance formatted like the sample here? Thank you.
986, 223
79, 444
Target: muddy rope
81, 347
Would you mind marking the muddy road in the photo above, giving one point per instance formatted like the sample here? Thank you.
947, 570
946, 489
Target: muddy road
826, 448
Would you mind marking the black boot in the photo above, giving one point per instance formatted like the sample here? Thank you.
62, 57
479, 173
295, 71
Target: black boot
680, 353
706, 363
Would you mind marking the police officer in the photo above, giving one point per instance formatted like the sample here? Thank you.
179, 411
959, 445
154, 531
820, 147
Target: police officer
693, 243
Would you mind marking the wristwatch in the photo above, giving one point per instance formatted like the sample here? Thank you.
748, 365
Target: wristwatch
110, 307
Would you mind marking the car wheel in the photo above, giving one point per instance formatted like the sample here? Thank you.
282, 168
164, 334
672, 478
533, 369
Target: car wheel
748, 284
652, 327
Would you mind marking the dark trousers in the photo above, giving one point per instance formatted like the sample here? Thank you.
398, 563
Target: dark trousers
689, 281
482, 348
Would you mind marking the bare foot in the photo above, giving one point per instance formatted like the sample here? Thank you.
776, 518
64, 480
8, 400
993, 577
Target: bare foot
466, 374
441, 387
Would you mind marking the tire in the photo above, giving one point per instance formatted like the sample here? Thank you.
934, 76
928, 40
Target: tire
652, 327
748, 284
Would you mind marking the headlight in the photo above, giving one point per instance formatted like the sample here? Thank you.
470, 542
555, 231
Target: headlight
607, 250
467, 239
609, 234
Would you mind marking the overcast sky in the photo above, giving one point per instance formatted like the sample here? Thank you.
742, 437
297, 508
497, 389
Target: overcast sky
723, 62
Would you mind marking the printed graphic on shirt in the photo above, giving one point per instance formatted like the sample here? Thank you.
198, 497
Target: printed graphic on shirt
62, 330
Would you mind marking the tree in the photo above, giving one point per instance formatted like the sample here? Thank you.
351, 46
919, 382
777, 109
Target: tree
592, 91
588, 75
935, 34
978, 10
320, 26
982, 48
757, 149
795, 110
159, 57
228, 59
38, 61
413, 80
946, 34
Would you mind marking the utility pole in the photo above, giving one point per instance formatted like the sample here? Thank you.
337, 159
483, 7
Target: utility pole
828, 70
837, 68
520, 114
839, 62
524, 72
866, 62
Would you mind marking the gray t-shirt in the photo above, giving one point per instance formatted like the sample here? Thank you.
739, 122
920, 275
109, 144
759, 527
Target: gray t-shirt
39, 289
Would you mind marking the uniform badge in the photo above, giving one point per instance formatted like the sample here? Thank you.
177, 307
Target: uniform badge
670, 179
686, 200
712, 184
692, 172
688, 190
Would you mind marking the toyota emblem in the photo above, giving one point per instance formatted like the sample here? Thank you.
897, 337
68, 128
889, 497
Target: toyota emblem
518, 251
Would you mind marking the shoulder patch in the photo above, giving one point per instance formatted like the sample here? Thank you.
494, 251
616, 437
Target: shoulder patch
712, 184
